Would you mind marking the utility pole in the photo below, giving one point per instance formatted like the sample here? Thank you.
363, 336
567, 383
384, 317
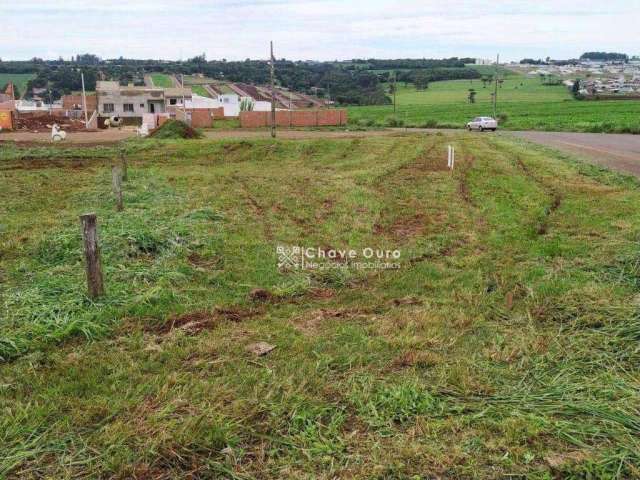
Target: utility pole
184, 103
84, 101
395, 87
273, 93
495, 90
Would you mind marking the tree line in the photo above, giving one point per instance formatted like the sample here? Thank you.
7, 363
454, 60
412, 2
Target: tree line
598, 56
353, 82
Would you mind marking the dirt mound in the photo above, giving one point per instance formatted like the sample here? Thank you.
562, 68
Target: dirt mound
41, 123
175, 129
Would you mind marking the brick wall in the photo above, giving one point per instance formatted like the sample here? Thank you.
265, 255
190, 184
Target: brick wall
294, 118
204, 117
70, 101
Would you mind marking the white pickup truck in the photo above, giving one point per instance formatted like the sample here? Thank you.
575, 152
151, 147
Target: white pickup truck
482, 124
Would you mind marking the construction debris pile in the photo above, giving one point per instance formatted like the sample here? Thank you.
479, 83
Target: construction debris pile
41, 123
175, 129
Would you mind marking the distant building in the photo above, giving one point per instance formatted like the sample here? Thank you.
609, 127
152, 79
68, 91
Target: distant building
484, 61
134, 102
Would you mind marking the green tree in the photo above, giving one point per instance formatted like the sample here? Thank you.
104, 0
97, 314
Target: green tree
16, 92
421, 81
575, 90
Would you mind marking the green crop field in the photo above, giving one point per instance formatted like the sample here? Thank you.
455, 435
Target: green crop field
491, 70
526, 103
504, 346
19, 79
161, 80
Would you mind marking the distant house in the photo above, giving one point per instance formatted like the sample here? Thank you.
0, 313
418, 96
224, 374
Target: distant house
134, 102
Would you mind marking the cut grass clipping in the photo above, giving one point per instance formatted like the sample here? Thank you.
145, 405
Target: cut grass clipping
175, 130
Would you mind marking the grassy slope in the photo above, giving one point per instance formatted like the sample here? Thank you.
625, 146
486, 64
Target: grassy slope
199, 90
507, 342
161, 80
527, 104
20, 79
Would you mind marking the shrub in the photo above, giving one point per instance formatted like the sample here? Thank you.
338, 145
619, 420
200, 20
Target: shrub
431, 123
394, 122
366, 122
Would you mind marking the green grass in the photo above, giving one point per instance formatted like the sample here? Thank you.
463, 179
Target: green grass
490, 70
19, 79
190, 80
506, 345
199, 90
527, 104
226, 123
161, 80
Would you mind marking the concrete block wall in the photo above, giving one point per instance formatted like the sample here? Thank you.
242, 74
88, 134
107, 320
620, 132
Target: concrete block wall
294, 118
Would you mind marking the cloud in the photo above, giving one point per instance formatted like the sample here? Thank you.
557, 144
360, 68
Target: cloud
316, 29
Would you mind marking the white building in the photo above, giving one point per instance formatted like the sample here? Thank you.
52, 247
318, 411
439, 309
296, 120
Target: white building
229, 101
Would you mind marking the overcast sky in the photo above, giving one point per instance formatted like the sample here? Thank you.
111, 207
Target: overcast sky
317, 29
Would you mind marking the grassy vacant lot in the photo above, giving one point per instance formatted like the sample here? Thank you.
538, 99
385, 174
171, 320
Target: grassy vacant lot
19, 79
199, 90
527, 104
505, 345
161, 80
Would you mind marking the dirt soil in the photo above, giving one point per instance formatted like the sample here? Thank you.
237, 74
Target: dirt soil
99, 137
44, 122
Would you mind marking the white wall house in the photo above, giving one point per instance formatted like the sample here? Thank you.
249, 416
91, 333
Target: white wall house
229, 101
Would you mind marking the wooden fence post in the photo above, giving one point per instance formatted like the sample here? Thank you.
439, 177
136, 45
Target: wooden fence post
116, 180
93, 268
123, 160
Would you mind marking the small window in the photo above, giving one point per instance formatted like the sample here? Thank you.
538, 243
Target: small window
107, 108
142, 105
172, 101
128, 107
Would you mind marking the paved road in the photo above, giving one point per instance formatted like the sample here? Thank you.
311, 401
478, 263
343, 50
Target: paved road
618, 152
